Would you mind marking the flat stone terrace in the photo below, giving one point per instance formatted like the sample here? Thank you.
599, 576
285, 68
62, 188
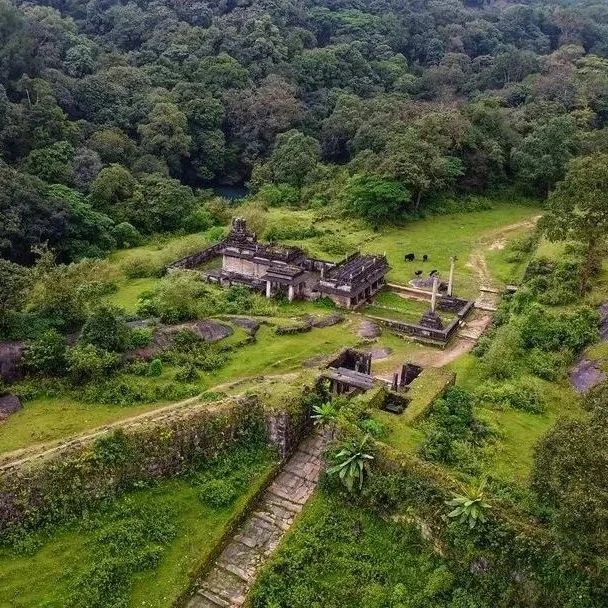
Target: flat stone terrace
228, 581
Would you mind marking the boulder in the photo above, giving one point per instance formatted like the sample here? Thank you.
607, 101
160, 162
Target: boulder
9, 404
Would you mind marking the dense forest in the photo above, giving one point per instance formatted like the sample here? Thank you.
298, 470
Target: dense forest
115, 115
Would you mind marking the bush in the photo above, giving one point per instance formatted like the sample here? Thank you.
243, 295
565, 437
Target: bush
139, 337
520, 395
503, 356
142, 266
126, 235
198, 221
218, 493
106, 329
124, 391
86, 361
186, 373
548, 365
155, 368
180, 296
47, 354
451, 423
548, 332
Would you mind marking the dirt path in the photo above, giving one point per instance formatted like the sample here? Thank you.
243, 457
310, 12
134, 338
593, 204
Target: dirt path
486, 303
21, 456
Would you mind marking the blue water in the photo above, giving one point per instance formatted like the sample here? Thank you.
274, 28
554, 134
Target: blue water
231, 192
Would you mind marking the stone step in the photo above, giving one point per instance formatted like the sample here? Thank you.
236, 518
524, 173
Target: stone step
226, 585
228, 582
206, 599
283, 503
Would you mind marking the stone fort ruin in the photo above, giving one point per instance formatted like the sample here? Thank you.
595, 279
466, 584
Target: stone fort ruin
275, 270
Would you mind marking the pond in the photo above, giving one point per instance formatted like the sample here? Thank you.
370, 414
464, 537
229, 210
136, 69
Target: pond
232, 192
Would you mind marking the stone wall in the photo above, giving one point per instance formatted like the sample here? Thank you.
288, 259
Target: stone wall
242, 266
200, 257
64, 482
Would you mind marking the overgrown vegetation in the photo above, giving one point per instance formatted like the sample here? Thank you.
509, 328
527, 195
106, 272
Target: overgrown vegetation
116, 548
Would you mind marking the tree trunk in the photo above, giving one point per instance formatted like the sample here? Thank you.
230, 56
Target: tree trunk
418, 197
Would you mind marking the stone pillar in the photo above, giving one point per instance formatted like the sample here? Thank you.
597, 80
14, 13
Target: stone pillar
268, 289
434, 294
290, 293
451, 280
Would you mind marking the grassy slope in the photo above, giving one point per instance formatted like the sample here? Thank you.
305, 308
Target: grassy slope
511, 456
339, 556
43, 579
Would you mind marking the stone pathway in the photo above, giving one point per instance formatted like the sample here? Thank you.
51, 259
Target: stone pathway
233, 573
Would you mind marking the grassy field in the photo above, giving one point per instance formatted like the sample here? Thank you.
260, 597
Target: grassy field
510, 457
339, 556
50, 418
45, 576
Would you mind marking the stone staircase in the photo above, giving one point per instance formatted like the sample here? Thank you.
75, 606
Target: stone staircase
228, 581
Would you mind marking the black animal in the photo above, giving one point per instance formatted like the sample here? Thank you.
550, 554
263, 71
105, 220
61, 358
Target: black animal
418, 273
425, 258
433, 273
443, 286
409, 257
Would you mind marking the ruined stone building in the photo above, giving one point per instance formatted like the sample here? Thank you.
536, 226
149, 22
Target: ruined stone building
287, 270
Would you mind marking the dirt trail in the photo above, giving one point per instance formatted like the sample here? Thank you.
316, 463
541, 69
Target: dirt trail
486, 303
21, 456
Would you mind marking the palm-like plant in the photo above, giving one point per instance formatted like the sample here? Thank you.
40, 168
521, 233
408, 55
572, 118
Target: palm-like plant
325, 414
470, 508
352, 463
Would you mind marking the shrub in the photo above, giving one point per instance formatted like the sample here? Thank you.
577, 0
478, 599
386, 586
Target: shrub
218, 493
520, 395
549, 332
46, 355
502, 358
128, 391
186, 373
126, 235
198, 221
452, 422
141, 266
180, 296
139, 337
155, 368
548, 365
106, 329
86, 361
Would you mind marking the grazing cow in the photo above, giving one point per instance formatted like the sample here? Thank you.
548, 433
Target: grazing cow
409, 257
418, 273
425, 258
433, 273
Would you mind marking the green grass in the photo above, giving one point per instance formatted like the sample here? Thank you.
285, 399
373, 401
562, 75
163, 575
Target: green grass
43, 579
46, 419
390, 305
511, 456
439, 236
402, 434
129, 291
498, 255
340, 556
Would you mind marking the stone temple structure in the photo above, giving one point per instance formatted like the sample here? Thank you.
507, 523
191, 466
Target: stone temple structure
287, 270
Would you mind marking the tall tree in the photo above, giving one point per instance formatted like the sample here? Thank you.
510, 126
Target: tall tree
578, 209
